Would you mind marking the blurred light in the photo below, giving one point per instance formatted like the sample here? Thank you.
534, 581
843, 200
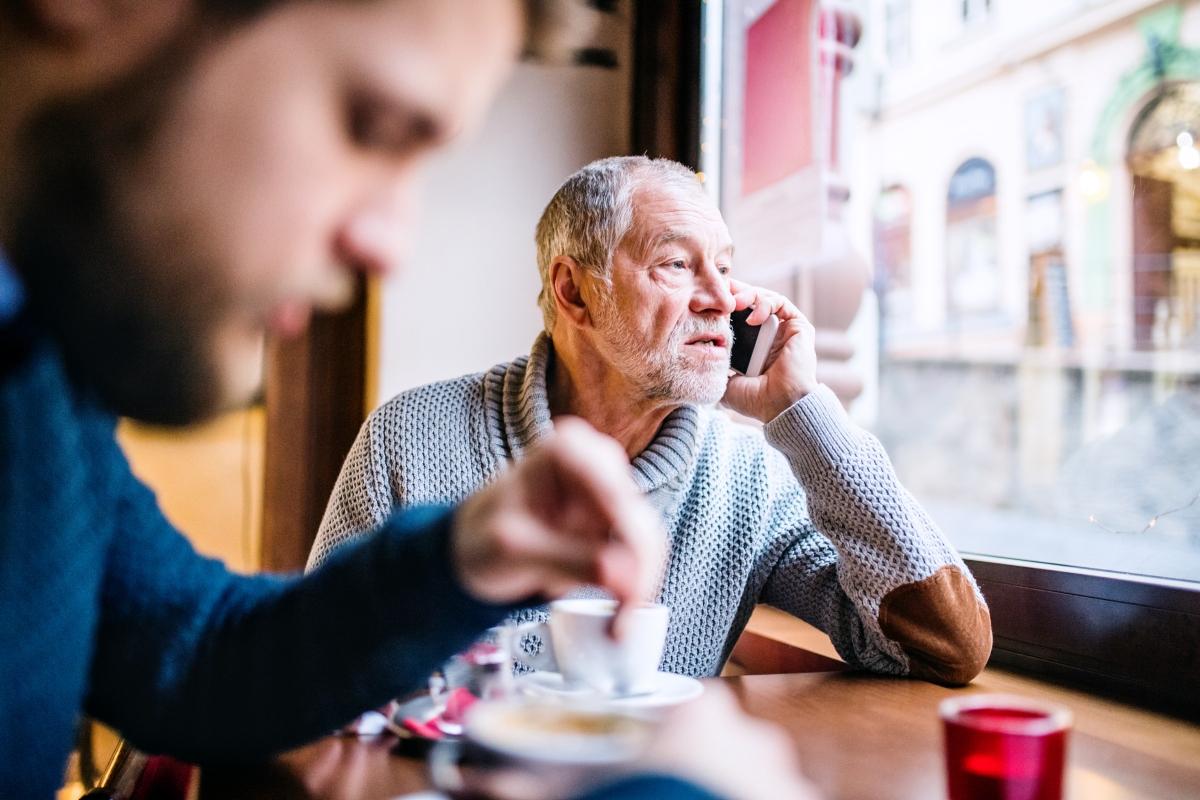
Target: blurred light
1184, 139
1093, 182
1189, 157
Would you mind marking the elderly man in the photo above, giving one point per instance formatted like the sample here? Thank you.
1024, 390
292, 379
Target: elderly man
177, 178
807, 515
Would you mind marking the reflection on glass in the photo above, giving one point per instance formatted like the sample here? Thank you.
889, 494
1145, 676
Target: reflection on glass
1023, 181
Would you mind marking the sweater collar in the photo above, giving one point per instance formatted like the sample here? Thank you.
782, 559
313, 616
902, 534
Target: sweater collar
518, 415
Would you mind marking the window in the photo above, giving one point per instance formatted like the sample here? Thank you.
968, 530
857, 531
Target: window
974, 11
898, 27
972, 271
1008, 238
1165, 166
1049, 314
893, 259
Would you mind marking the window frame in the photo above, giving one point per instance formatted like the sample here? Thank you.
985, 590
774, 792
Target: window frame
1130, 637
897, 21
974, 12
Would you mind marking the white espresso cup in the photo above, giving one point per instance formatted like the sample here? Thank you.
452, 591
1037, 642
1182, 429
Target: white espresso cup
583, 651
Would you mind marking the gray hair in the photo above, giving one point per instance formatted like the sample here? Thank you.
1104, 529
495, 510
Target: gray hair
592, 212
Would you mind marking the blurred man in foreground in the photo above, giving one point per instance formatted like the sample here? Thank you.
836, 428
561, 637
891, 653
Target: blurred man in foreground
176, 179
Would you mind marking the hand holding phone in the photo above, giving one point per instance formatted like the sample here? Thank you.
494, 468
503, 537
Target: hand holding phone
751, 343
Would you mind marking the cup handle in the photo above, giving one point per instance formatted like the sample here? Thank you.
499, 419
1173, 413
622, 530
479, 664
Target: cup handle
542, 661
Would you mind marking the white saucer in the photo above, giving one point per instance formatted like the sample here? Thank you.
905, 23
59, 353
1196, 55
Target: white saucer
670, 689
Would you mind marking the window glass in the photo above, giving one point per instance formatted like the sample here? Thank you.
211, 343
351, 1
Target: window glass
974, 11
998, 239
898, 30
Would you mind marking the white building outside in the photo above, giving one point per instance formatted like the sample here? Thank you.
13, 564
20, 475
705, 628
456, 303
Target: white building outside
1030, 367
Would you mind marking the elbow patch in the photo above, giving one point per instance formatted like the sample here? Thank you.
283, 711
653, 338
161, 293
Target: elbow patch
941, 625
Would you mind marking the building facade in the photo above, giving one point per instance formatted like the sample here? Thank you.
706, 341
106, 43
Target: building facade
1027, 175
1028, 171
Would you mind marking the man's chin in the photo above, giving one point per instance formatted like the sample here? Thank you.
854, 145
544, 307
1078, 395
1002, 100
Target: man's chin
192, 387
708, 398
242, 373
169, 403
704, 391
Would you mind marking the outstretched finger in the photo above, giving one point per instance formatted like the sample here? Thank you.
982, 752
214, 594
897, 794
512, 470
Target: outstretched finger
744, 295
594, 471
769, 303
789, 330
616, 563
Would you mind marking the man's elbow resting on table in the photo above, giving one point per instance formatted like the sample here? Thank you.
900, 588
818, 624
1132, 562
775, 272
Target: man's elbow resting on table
942, 626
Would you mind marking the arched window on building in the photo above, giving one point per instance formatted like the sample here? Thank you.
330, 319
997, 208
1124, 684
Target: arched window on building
972, 266
893, 259
1048, 322
1164, 165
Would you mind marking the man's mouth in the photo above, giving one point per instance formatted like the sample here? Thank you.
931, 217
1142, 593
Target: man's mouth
714, 340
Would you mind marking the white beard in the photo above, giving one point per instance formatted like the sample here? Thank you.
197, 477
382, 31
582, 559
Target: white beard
666, 373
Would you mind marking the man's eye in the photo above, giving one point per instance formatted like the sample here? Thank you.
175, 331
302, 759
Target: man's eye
679, 263
374, 127
724, 269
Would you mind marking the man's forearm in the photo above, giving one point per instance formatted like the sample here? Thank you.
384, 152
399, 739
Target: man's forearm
235, 666
902, 575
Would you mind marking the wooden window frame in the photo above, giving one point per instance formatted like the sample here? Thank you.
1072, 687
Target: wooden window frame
1125, 636
316, 392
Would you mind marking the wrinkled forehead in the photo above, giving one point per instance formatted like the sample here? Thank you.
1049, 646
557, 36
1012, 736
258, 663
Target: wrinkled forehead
666, 214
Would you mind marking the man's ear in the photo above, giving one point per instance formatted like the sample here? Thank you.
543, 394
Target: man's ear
566, 282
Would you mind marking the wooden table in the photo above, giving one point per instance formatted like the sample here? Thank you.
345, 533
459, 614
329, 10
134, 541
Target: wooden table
865, 737
860, 737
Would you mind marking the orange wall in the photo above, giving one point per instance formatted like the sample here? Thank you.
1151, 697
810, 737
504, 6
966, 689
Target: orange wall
208, 480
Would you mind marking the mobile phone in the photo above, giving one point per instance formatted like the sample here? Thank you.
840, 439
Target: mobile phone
751, 343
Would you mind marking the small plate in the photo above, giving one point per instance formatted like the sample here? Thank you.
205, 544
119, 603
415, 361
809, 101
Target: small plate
669, 690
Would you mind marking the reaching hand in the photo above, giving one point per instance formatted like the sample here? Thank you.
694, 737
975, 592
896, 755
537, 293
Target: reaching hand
566, 514
791, 365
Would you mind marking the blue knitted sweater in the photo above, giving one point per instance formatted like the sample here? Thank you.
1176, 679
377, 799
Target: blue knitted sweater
106, 609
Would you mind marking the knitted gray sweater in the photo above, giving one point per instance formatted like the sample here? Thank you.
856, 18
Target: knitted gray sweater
812, 520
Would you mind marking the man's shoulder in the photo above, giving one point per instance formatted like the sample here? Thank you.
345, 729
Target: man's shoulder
36, 388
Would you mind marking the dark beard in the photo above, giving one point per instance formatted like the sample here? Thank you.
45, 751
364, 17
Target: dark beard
135, 328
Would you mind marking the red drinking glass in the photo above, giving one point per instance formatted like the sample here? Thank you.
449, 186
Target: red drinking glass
1004, 747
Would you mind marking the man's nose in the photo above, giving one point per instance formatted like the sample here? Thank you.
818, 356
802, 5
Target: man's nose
376, 235
713, 293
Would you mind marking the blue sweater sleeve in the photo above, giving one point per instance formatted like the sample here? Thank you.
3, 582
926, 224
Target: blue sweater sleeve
650, 787
196, 661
